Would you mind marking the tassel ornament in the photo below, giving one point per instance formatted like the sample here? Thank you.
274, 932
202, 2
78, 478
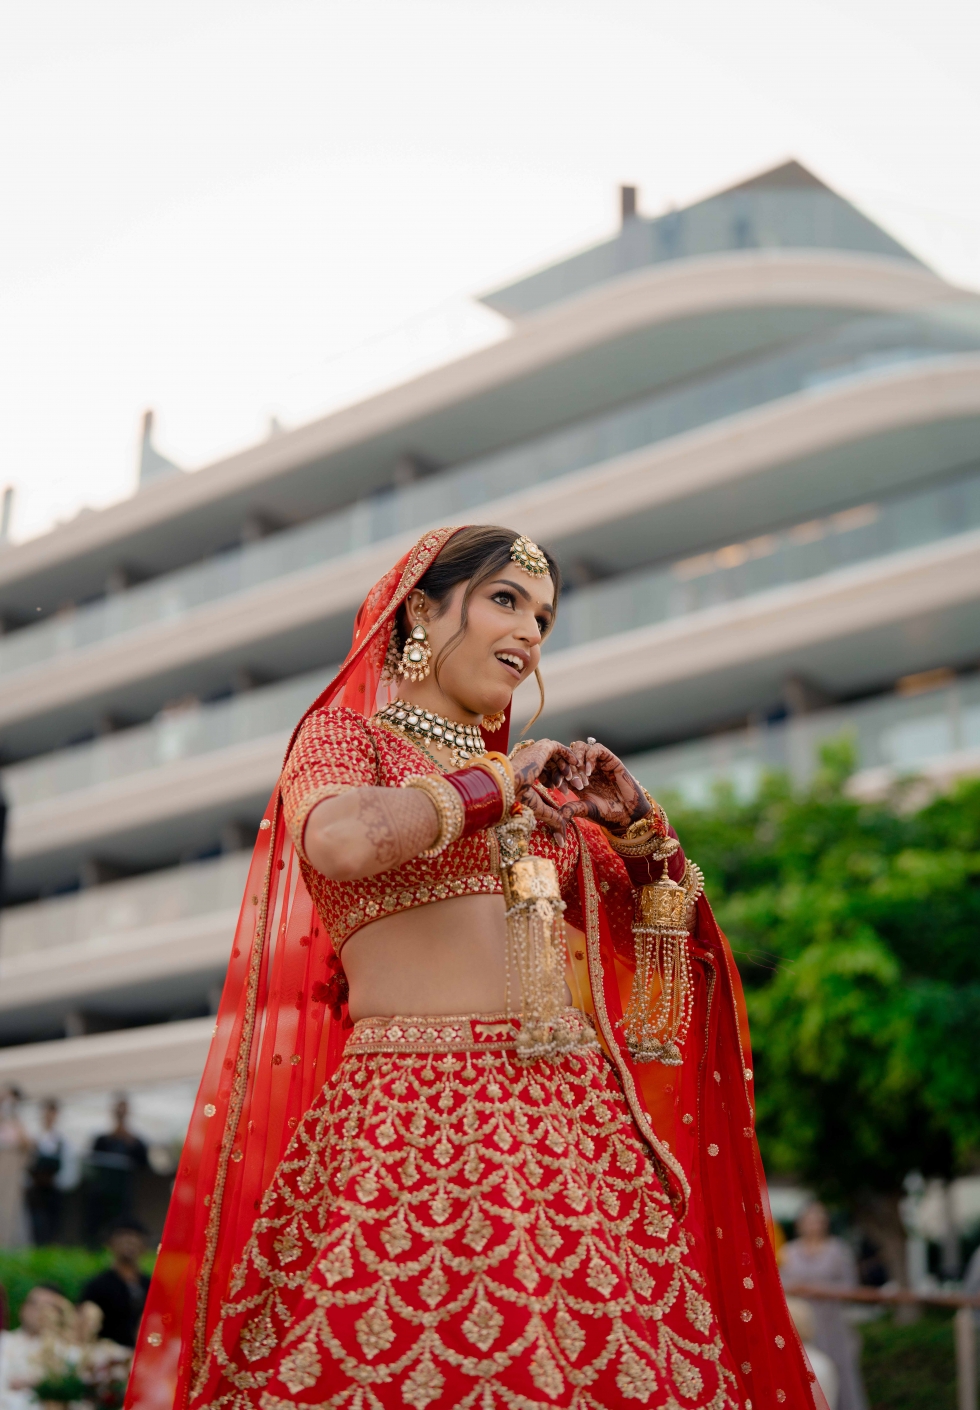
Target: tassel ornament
658, 1015
536, 950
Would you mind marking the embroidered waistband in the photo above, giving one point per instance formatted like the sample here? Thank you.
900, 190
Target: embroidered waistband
493, 1032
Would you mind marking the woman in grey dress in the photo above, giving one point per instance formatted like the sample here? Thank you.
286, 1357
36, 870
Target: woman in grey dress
815, 1259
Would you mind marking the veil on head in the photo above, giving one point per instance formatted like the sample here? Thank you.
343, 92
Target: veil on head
280, 1032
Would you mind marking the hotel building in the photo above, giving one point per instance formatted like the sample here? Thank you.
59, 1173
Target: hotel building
750, 429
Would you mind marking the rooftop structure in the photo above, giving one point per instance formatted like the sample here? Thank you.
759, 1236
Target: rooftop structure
749, 429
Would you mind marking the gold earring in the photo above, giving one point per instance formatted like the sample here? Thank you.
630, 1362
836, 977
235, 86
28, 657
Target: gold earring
416, 655
491, 723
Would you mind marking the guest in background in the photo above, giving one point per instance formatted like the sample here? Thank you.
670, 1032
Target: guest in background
15, 1152
817, 1260
42, 1311
120, 1291
44, 1196
113, 1164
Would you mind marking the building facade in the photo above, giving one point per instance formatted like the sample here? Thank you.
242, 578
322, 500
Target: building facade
749, 429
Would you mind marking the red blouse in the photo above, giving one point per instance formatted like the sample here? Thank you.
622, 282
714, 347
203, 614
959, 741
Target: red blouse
339, 749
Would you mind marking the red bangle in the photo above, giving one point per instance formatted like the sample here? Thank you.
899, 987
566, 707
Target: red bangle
483, 802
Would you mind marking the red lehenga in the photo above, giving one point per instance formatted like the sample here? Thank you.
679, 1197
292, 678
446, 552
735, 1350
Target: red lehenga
398, 1212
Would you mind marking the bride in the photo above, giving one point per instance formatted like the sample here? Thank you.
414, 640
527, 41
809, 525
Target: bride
476, 1127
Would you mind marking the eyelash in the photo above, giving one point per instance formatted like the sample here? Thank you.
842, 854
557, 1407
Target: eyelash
511, 601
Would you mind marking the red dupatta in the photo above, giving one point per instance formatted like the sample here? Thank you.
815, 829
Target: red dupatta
699, 1120
280, 1033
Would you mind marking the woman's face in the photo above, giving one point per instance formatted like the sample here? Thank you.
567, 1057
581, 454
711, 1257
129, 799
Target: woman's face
39, 1311
507, 618
813, 1222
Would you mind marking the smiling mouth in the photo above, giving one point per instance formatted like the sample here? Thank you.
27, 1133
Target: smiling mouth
511, 661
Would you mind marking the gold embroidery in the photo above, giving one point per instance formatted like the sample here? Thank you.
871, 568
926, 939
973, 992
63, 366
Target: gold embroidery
338, 749
483, 1324
301, 1368
452, 1190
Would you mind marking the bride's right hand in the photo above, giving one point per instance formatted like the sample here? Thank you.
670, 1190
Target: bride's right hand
545, 764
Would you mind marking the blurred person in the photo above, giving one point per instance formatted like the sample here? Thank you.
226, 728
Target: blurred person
120, 1291
411, 1176
816, 1259
113, 1164
47, 1165
15, 1153
823, 1368
44, 1313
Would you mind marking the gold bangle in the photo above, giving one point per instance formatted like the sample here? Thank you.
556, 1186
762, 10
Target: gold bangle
501, 771
449, 809
521, 744
667, 907
647, 837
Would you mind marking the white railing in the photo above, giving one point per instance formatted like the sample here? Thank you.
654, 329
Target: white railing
900, 733
861, 349
176, 734
126, 907
803, 552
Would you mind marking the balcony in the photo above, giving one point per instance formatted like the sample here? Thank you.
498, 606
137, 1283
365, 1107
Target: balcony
856, 350
149, 948
154, 794
856, 535
935, 734
182, 732
796, 456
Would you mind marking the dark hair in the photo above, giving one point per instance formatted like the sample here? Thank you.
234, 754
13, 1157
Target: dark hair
471, 556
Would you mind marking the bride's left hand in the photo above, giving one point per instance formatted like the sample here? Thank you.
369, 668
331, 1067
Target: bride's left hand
611, 795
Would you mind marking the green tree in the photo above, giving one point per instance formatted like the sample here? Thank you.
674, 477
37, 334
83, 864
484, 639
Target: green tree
856, 928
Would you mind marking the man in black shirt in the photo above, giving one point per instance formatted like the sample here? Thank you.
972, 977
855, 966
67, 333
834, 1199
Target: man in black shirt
111, 1169
121, 1290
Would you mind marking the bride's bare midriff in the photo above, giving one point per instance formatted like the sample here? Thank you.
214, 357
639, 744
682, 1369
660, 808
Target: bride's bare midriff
444, 958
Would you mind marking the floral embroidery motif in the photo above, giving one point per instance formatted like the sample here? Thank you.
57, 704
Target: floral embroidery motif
301, 1368
434, 1201
338, 749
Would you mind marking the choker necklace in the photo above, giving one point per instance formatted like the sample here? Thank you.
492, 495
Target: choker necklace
464, 742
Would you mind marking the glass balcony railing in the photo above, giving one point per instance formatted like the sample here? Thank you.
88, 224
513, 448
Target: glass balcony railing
902, 733
856, 535
123, 907
176, 734
856, 349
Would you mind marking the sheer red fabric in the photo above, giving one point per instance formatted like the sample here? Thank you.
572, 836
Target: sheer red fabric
282, 1026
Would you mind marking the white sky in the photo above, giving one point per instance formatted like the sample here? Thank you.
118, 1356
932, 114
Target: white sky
231, 209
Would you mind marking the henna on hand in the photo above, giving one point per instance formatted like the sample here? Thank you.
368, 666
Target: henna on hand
545, 764
611, 795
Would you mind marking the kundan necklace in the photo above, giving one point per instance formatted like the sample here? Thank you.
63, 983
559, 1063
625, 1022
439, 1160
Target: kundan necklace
464, 742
